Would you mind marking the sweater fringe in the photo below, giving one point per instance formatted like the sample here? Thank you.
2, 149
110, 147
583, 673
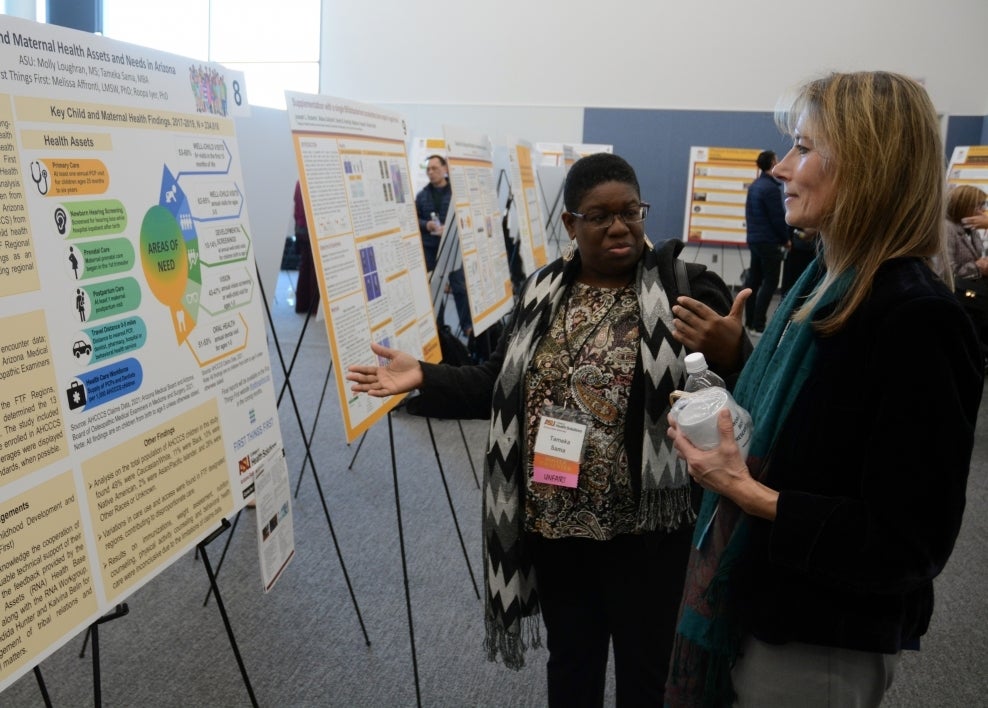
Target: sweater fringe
512, 645
666, 509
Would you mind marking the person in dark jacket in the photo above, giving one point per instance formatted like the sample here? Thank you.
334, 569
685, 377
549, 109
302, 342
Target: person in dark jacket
587, 514
768, 239
817, 568
307, 288
432, 206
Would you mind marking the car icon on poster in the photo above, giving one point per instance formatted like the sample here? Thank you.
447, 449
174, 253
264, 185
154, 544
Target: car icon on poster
81, 347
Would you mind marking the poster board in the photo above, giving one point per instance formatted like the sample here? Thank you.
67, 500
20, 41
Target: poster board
365, 240
716, 190
969, 165
559, 154
136, 397
470, 159
531, 226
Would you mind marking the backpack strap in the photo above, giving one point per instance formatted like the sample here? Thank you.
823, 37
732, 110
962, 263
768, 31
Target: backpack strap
682, 279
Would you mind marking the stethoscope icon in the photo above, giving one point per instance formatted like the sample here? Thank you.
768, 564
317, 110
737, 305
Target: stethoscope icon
39, 174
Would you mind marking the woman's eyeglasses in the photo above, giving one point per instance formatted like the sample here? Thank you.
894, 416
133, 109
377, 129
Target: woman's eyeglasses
604, 219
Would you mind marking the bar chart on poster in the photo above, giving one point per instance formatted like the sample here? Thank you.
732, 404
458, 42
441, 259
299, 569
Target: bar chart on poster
137, 404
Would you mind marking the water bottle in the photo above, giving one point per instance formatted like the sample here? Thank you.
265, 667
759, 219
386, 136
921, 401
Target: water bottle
696, 412
698, 375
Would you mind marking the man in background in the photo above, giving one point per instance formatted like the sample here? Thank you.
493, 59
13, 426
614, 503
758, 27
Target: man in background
768, 239
432, 205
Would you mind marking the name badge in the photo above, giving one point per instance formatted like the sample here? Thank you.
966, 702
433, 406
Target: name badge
558, 451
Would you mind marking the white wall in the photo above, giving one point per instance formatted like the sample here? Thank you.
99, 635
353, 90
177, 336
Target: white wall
719, 54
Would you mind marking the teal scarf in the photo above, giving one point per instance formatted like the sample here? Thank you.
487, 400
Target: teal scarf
709, 633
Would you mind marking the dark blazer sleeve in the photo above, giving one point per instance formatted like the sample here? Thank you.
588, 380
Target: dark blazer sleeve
460, 391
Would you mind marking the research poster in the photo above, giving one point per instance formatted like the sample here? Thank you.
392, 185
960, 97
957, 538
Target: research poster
559, 154
531, 227
478, 220
969, 165
365, 240
717, 187
135, 387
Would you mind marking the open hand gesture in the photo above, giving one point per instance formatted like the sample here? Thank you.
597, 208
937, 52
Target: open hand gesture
401, 374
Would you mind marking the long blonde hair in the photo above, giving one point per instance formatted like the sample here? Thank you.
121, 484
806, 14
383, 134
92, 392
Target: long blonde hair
882, 138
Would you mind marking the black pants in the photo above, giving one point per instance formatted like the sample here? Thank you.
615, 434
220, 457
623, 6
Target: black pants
307, 288
763, 279
626, 590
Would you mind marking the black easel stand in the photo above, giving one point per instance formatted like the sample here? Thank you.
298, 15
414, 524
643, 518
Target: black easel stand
226, 546
312, 431
42, 687
442, 475
449, 499
201, 548
306, 440
120, 611
404, 564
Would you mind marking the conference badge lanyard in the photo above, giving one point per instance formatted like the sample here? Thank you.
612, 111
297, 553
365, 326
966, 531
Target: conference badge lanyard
559, 445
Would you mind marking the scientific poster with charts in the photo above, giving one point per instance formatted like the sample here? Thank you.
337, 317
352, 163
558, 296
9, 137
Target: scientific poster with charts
969, 165
135, 387
531, 226
716, 191
365, 240
478, 221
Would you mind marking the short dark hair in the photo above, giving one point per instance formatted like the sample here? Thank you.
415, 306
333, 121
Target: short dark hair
765, 160
587, 172
442, 160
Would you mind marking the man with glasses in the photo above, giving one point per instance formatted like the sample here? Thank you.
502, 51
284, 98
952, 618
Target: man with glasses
432, 205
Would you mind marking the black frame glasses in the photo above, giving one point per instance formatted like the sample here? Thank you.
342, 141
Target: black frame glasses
604, 220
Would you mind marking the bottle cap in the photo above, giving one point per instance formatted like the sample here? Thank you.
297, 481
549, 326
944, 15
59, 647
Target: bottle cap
695, 362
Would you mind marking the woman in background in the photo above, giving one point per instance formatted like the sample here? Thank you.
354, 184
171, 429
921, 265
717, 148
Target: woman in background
965, 202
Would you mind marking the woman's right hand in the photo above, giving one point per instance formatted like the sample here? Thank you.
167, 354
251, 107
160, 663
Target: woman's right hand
402, 373
976, 221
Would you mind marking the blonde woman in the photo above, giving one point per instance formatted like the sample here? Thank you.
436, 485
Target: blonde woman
817, 568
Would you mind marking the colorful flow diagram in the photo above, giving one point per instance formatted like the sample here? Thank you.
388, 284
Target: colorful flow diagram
194, 250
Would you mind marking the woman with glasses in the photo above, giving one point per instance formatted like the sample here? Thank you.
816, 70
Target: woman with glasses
587, 514
814, 556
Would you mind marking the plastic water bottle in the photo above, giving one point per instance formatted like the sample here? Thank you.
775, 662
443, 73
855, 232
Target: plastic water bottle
698, 375
696, 413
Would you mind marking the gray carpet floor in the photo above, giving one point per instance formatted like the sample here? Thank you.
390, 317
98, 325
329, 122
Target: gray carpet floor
302, 644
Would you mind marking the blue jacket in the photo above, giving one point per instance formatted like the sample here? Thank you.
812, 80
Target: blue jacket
427, 201
764, 212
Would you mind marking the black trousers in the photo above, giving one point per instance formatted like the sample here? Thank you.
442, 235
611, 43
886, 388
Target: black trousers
625, 590
763, 279
307, 288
